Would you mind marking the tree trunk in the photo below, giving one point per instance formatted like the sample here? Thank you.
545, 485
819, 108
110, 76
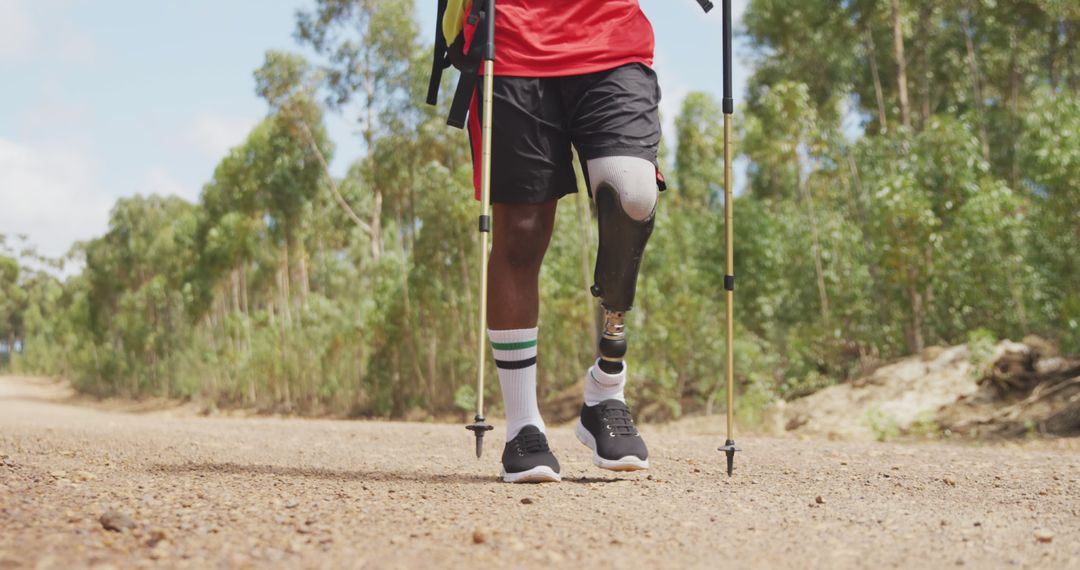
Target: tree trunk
270, 309
883, 118
901, 63
859, 199
915, 339
286, 289
243, 289
1017, 293
470, 302
283, 298
925, 14
808, 203
1070, 63
244, 307
929, 297
376, 227
1014, 111
1052, 51
305, 287
369, 139
432, 369
234, 290
310, 141
406, 301
976, 83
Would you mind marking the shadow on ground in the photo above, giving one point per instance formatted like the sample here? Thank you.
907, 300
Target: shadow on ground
229, 468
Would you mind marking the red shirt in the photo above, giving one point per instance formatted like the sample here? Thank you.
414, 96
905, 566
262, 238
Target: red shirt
551, 38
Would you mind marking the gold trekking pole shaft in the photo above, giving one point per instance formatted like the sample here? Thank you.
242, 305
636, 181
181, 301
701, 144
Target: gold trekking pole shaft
729, 239
479, 425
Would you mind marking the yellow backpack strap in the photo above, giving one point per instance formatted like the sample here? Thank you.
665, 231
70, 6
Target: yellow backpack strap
451, 49
449, 25
440, 60
453, 21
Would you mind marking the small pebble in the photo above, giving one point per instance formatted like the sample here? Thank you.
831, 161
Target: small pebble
526, 501
116, 521
160, 550
819, 500
1044, 536
156, 536
479, 536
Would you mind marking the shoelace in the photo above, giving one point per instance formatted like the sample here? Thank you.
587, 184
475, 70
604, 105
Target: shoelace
532, 443
618, 420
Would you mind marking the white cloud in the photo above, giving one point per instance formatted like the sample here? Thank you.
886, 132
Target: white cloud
17, 31
66, 42
77, 47
160, 181
53, 113
52, 194
214, 135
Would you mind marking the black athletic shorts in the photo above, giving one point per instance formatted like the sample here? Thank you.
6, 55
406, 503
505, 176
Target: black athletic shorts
536, 119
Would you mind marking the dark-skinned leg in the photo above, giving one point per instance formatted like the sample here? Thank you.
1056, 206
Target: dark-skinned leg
521, 236
522, 233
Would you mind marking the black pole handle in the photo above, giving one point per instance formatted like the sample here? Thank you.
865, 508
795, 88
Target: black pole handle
729, 100
489, 45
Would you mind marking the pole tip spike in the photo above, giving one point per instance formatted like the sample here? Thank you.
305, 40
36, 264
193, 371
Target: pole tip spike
729, 450
478, 427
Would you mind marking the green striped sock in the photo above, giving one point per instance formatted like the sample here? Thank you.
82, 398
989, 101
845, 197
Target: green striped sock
515, 359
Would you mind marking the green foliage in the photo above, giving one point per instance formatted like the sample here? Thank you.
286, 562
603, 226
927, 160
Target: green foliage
981, 342
924, 426
861, 236
883, 425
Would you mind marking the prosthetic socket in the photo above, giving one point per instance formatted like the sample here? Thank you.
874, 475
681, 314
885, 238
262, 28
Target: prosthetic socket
622, 244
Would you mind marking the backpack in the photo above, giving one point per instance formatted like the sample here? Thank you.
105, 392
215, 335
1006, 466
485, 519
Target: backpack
459, 41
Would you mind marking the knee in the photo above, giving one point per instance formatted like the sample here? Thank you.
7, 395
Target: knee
638, 197
521, 241
632, 179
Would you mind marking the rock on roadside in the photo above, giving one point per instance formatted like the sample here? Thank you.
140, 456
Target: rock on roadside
116, 521
1044, 536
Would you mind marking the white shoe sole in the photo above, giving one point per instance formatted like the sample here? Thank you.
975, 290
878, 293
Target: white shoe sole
538, 474
628, 463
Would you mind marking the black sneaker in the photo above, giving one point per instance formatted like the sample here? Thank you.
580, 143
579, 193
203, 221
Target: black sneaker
527, 458
608, 429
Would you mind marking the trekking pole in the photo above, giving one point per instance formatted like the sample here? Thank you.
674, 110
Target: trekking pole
479, 426
729, 235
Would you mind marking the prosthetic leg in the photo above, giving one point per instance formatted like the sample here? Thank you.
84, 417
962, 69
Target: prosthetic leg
626, 194
623, 237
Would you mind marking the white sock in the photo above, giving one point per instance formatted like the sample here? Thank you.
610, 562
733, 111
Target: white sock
600, 385
515, 359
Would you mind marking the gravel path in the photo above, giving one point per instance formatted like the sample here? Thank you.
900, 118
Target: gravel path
244, 493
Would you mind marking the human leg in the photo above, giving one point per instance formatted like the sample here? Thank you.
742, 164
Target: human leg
617, 131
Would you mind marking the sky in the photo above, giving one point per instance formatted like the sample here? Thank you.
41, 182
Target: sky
110, 98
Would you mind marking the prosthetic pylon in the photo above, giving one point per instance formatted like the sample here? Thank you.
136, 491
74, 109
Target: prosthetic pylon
728, 448
479, 426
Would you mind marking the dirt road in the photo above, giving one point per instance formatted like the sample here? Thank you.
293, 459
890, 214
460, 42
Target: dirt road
217, 492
